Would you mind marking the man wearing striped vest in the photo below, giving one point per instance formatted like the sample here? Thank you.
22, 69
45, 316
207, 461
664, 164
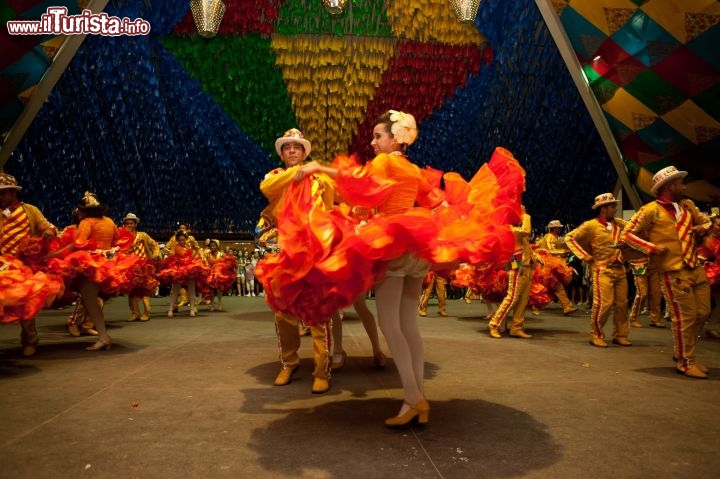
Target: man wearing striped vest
671, 224
19, 221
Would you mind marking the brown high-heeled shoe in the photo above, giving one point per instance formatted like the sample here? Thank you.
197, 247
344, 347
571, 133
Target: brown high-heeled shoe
379, 359
100, 344
419, 413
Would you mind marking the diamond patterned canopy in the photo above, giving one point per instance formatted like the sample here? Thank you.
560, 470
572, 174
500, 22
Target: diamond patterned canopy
654, 67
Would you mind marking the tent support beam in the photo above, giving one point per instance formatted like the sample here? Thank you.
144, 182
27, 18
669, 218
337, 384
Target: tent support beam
568, 54
44, 87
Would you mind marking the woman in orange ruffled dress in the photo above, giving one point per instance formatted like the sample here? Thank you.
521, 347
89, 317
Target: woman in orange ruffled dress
397, 294
394, 249
222, 273
183, 266
86, 262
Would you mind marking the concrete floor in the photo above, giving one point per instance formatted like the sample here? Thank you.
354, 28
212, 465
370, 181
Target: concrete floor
193, 397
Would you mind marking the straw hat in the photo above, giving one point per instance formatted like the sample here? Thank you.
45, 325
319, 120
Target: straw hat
554, 224
8, 182
663, 176
293, 135
131, 216
604, 199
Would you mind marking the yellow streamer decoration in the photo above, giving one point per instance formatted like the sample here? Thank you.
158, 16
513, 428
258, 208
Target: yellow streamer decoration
429, 21
330, 81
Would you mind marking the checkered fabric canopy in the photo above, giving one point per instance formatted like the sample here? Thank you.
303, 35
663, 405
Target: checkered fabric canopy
654, 66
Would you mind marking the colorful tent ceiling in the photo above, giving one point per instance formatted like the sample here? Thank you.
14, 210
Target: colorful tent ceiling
24, 58
333, 66
178, 128
654, 66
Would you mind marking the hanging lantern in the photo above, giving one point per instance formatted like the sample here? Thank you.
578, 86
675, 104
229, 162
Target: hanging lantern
466, 10
334, 7
207, 14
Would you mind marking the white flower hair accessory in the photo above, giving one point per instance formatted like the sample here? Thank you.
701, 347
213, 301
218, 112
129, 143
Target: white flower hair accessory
403, 127
89, 200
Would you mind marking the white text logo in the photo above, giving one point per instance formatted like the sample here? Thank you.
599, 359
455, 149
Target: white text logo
57, 22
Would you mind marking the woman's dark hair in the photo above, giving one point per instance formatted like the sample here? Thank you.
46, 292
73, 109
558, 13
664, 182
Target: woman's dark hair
385, 119
91, 206
75, 217
180, 233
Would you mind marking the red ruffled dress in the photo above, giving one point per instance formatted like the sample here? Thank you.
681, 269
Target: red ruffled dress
552, 273
710, 252
328, 258
222, 273
182, 267
140, 280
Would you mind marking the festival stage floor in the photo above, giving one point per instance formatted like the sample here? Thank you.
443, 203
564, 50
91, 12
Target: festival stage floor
193, 398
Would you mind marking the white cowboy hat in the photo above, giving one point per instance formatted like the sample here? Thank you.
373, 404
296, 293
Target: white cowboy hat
131, 216
293, 135
8, 182
663, 176
555, 224
604, 199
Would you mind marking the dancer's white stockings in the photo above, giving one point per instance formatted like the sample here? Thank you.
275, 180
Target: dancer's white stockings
397, 302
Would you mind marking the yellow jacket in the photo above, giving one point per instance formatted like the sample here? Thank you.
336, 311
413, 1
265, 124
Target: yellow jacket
661, 228
276, 182
38, 222
523, 255
597, 242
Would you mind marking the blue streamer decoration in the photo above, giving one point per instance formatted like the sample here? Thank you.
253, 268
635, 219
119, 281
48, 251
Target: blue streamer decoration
126, 120
526, 102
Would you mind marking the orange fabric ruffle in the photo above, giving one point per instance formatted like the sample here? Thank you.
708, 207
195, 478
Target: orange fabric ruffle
23, 292
182, 268
221, 275
140, 279
554, 273
327, 259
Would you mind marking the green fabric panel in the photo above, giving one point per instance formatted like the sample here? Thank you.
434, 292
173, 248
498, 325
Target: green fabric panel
654, 92
240, 74
361, 17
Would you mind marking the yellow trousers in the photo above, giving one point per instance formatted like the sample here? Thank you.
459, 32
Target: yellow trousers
647, 286
288, 334
441, 290
688, 295
610, 295
516, 298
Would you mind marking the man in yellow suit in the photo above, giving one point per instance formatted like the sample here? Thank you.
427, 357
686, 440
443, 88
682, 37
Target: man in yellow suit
19, 221
597, 242
671, 223
143, 247
293, 150
520, 271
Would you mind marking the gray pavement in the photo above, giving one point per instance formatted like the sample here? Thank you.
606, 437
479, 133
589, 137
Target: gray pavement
193, 397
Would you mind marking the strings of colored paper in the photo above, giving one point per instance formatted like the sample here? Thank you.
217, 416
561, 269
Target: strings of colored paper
177, 128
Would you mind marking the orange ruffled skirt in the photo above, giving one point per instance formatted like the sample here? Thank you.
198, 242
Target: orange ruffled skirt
327, 259
24, 292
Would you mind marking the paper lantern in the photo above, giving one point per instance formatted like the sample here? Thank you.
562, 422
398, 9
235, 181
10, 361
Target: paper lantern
207, 14
334, 7
466, 10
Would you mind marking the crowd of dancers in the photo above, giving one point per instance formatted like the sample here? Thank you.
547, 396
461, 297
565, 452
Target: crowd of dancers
335, 232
